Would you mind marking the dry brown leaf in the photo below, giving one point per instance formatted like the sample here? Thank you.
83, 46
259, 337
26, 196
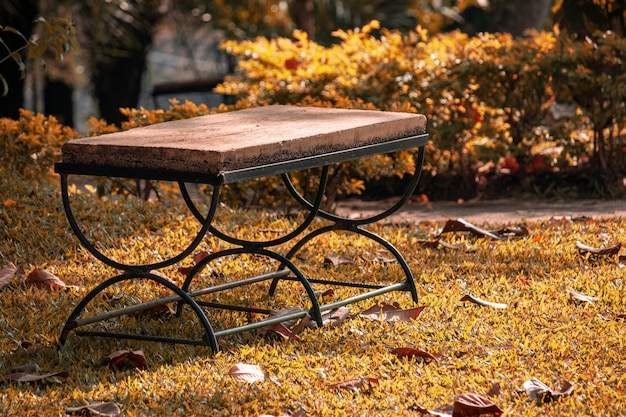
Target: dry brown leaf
391, 312
354, 384
280, 329
541, 393
338, 260
127, 358
245, 372
460, 225
29, 377
41, 278
611, 250
472, 298
495, 390
467, 405
519, 231
29, 367
330, 318
108, 408
8, 274
578, 297
335, 316
162, 275
299, 413
436, 244
403, 352
328, 292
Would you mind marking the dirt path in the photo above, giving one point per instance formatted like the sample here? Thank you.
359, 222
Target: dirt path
484, 212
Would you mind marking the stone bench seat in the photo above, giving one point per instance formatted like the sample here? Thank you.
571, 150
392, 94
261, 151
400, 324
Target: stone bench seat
243, 142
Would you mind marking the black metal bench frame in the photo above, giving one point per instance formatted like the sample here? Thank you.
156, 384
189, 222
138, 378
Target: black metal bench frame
288, 270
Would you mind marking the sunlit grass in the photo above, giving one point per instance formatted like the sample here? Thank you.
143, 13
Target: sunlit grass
542, 333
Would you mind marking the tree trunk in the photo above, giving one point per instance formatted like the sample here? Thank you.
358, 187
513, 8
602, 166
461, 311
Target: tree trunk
516, 16
18, 14
118, 40
304, 17
117, 84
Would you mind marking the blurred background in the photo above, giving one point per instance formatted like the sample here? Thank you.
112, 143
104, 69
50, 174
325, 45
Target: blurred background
142, 52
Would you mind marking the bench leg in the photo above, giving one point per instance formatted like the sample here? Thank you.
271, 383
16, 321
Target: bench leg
74, 321
125, 267
285, 262
409, 282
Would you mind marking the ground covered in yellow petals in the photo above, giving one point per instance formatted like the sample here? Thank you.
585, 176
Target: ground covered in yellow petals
500, 317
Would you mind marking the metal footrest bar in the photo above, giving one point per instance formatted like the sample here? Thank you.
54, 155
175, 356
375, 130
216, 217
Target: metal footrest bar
175, 298
401, 286
232, 307
264, 323
338, 283
286, 265
72, 321
149, 338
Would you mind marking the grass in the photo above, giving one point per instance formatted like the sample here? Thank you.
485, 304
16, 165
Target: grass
543, 333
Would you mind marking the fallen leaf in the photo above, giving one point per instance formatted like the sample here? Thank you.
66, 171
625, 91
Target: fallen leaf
472, 298
304, 323
383, 260
495, 390
284, 312
161, 275
575, 296
108, 408
445, 411
335, 316
435, 244
280, 329
200, 256
611, 250
460, 225
473, 405
354, 384
299, 413
391, 312
328, 292
338, 260
28, 377
125, 358
513, 231
29, 367
24, 344
403, 352
245, 372
541, 393
41, 278
8, 274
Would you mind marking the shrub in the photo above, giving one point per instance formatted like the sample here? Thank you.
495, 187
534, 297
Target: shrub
488, 98
32, 144
491, 100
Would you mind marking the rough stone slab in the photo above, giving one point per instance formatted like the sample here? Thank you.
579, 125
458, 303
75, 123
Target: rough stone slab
242, 139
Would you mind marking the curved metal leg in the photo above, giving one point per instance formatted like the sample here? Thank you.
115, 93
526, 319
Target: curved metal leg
313, 209
73, 322
409, 282
418, 158
125, 267
315, 311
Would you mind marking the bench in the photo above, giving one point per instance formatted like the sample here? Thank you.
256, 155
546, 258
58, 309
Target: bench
227, 148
